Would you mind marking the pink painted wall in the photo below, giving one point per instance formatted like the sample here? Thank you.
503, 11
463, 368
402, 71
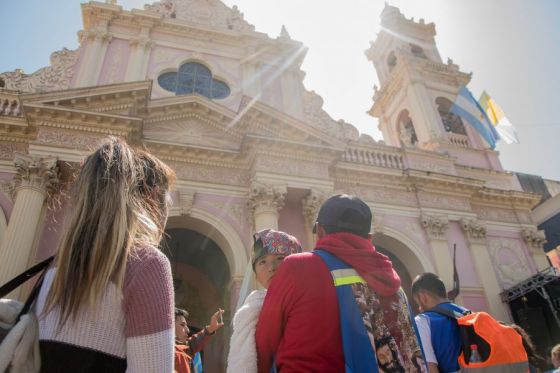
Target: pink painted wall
292, 221
115, 62
475, 302
77, 65
465, 265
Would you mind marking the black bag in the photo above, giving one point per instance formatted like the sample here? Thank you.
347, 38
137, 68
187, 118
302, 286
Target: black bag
11, 320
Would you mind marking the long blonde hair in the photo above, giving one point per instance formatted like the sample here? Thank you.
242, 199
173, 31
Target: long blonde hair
118, 203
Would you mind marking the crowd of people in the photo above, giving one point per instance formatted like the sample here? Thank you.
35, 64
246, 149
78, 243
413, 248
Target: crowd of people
107, 304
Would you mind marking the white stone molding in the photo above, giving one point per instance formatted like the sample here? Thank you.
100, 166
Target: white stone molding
311, 205
534, 238
474, 230
40, 174
264, 197
435, 225
184, 205
57, 76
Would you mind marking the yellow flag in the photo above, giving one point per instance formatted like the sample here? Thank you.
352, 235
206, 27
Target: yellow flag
498, 119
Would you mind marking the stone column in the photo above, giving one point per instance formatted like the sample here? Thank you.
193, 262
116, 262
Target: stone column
265, 202
436, 226
35, 178
535, 241
310, 207
475, 234
97, 39
234, 290
137, 61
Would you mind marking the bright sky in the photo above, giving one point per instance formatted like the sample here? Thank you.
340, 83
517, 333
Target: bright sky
511, 46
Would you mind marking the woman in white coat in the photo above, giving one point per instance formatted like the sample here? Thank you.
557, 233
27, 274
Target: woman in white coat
270, 247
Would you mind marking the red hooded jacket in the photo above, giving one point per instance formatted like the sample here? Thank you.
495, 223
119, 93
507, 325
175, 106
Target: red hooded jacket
299, 326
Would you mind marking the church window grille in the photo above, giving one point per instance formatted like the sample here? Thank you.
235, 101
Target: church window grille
451, 122
194, 78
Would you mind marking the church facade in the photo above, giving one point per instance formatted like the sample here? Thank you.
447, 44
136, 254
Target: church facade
226, 108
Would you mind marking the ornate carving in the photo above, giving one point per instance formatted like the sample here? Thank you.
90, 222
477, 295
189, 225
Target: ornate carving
473, 229
495, 214
203, 12
292, 166
36, 173
443, 201
95, 33
214, 174
263, 197
311, 205
69, 139
8, 150
315, 116
54, 77
435, 225
192, 131
509, 262
534, 238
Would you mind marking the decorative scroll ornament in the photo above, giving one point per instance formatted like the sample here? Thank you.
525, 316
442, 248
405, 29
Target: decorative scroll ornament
311, 205
534, 238
473, 229
212, 13
57, 76
264, 197
435, 226
36, 173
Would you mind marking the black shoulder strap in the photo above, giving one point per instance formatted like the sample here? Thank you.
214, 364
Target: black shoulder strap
22, 278
14, 283
447, 312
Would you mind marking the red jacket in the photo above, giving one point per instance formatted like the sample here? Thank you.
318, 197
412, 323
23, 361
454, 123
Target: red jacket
299, 323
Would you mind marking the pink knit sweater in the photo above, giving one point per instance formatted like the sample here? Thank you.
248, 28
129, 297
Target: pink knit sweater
131, 329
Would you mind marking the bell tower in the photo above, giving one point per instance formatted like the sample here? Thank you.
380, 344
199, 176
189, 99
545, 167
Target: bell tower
417, 91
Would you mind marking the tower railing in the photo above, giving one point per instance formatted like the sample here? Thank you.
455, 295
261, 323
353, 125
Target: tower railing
461, 141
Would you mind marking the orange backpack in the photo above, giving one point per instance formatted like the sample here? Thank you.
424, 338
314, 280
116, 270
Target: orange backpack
500, 346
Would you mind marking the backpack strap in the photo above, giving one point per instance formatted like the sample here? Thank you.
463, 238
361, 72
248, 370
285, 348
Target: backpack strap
449, 313
463, 332
24, 277
358, 352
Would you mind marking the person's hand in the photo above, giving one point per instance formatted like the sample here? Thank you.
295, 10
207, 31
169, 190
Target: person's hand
216, 321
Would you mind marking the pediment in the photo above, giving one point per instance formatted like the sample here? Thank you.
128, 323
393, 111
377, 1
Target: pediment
196, 120
192, 130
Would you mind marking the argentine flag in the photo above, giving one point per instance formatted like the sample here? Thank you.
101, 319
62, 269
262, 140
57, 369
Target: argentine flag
468, 108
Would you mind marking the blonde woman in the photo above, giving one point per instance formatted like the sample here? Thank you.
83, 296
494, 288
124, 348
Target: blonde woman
106, 305
270, 247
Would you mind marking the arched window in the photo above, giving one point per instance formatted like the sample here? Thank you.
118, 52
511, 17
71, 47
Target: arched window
417, 51
451, 122
407, 134
391, 61
192, 78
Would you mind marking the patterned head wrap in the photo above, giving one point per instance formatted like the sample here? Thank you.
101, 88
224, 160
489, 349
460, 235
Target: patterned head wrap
269, 241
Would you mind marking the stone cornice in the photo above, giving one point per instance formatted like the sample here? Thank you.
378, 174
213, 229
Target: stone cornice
197, 155
509, 198
100, 98
84, 121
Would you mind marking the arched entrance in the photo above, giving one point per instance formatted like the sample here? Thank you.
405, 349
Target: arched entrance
407, 260
201, 279
204, 256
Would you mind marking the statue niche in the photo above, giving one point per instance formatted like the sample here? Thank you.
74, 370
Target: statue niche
407, 134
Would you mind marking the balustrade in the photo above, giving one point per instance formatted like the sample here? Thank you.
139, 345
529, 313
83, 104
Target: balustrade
374, 158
